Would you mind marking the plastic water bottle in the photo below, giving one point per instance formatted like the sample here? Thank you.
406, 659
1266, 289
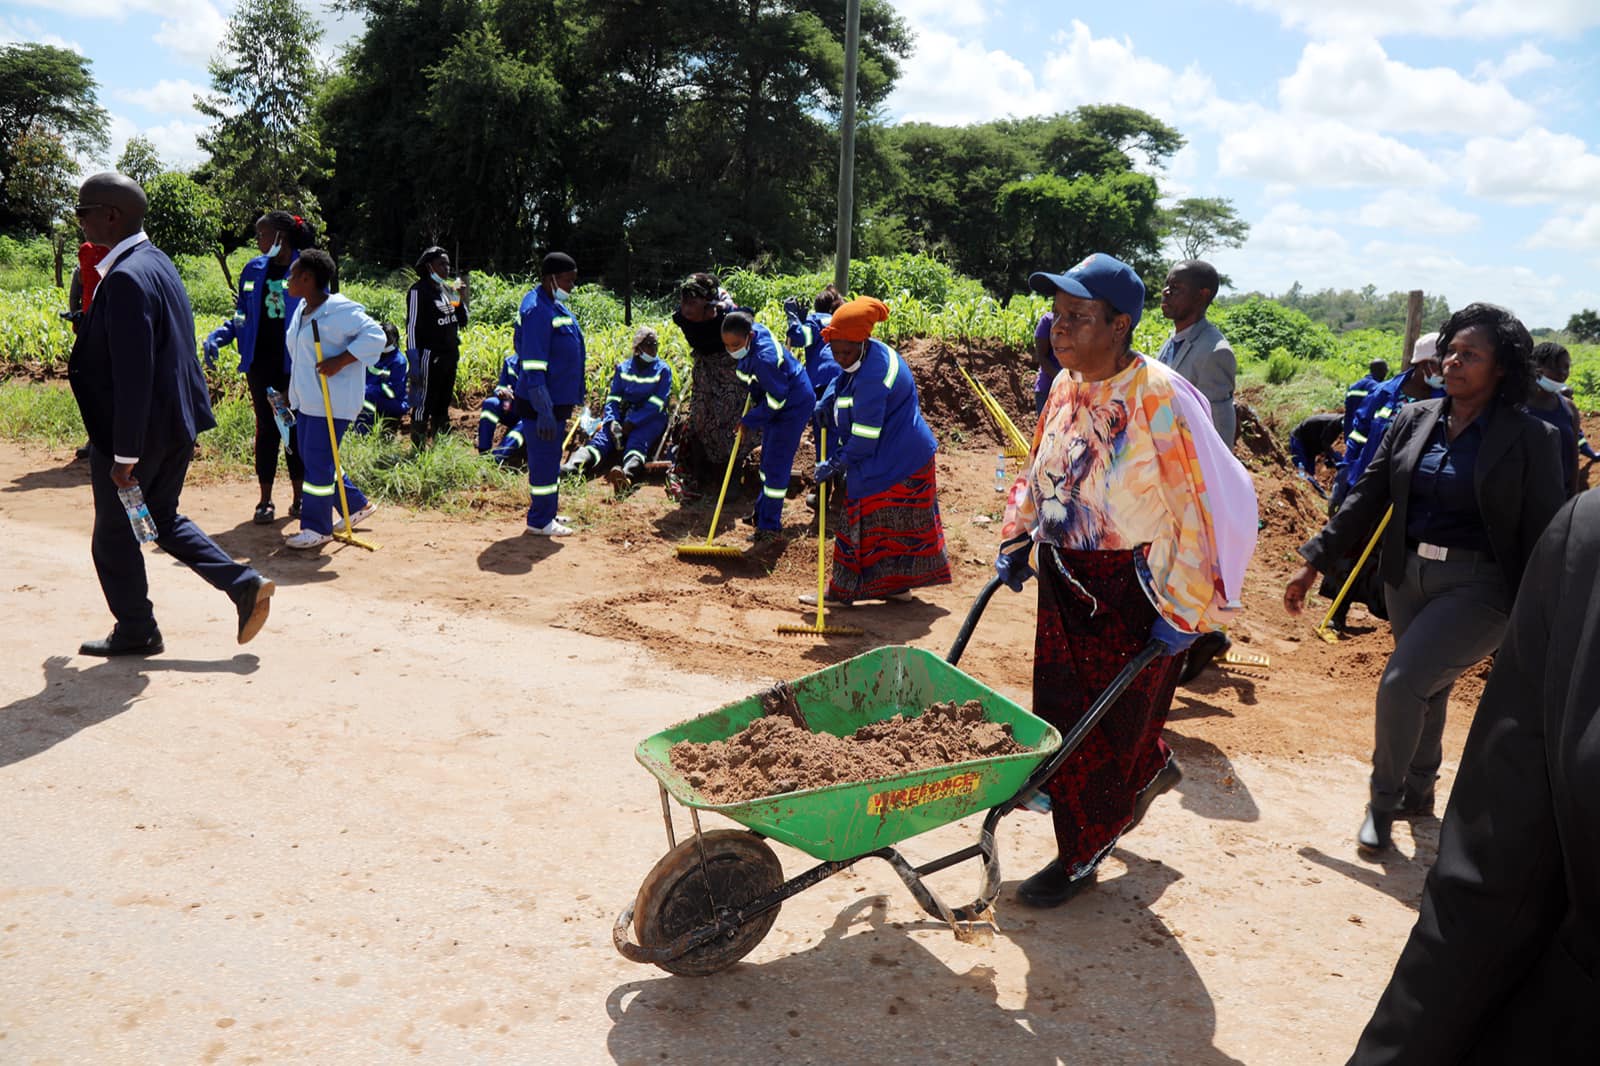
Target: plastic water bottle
1001, 482
144, 527
1039, 802
281, 415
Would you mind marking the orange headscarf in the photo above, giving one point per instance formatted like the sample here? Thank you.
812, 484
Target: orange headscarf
854, 320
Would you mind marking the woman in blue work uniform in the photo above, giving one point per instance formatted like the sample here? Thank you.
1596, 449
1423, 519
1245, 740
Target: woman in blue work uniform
549, 385
386, 383
499, 409
634, 417
261, 315
781, 404
891, 540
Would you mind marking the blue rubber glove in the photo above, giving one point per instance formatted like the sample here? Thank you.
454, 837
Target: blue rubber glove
1012, 563
826, 471
545, 426
1174, 640
791, 307
211, 350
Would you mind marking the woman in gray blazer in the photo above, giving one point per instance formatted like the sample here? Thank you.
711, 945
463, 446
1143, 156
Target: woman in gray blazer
1473, 480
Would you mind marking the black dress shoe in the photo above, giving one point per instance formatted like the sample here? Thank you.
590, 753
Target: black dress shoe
1051, 886
1415, 806
1165, 781
1206, 647
1375, 831
113, 646
254, 602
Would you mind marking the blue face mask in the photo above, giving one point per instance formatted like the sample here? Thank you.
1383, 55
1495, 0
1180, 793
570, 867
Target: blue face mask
645, 357
277, 246
443, 284
740, 353
1549, 385
1434, 381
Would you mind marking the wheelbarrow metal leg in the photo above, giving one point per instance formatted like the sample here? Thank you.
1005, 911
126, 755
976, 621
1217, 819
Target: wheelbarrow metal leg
666, 816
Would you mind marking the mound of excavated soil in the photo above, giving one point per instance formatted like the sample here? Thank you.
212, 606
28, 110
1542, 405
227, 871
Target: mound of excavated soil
949, 403
773, 754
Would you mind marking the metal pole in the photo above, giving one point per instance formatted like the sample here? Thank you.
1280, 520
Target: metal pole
847, 146
1413, 325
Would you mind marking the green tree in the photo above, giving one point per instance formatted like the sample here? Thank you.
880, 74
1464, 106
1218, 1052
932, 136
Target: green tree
1198, 224
264, 148
140, 160
48, 112
1584, 327
184, 218
1054, 221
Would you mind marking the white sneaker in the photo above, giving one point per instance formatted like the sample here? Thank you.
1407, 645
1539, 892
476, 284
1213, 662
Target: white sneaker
810, 600
553, 529
899, 597
307, 539
359, 517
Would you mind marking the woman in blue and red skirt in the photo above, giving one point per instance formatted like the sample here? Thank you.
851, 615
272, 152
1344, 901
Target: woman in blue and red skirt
1144, 522
891, 540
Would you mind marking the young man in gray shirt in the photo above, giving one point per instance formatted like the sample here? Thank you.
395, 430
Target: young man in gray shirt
1197, 349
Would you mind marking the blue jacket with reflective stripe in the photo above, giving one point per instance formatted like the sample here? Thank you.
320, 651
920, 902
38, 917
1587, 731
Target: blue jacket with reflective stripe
550, 349
820, 365
246, 321
509, 367
387, 377
639, 394
1371, 423
779, 387
1354, 397
874, 415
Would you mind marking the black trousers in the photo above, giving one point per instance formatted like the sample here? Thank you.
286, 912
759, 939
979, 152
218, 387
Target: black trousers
441, 389
268, 439
118, 560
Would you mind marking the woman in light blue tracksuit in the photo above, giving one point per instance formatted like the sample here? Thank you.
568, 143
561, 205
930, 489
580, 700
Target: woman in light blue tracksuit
351, 339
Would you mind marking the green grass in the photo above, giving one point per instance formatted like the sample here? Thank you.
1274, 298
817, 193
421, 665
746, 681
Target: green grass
44, 413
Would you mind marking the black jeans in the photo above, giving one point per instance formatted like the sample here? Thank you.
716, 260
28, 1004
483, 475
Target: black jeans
268, 439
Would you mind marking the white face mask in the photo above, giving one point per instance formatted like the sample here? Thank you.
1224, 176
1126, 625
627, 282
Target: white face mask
644, 357
852, 368
1434, 381
1549, 385
740, 353
563, 296
277, 246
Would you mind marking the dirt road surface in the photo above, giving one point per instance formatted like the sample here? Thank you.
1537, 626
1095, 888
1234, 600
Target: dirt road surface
398, 826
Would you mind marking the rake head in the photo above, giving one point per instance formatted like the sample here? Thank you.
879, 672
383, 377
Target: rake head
820, 631
708, 551
1329, 635
351, 538
1245, 658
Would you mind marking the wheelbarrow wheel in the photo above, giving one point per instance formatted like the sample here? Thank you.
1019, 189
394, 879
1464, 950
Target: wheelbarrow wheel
673, 899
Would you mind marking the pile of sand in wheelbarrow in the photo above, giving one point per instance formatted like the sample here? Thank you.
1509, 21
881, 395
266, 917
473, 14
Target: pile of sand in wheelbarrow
775, 754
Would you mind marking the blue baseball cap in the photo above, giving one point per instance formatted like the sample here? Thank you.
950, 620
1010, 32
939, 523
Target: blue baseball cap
1099, 277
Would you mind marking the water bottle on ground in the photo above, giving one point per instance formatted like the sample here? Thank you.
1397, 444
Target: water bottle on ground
1001, 482
144, 527
282, 416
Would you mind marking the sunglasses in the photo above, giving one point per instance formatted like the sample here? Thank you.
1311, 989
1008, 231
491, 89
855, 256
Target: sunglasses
83, 209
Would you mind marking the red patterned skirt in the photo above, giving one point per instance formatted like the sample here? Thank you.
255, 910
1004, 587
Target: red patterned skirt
1094, 617
890, 542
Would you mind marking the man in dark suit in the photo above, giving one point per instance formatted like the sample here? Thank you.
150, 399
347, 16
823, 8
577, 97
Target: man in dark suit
143, 399
1502, 964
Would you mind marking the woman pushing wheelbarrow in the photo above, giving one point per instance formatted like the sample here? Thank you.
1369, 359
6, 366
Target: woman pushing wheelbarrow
1144, 523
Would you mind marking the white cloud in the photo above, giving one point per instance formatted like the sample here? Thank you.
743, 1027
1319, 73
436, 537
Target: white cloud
174, 141
169, 96
1434, 18
942, 13
1293, 229
1570, 232
1355, 80
1322, 152
1411, 212
1525, 58
190, 29
27, 31
1084, 69
1537, 166
952, 82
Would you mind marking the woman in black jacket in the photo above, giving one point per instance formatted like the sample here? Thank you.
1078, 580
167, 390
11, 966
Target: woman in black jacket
1473, 480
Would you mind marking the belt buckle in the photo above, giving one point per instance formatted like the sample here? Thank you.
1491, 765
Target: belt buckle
1433, 552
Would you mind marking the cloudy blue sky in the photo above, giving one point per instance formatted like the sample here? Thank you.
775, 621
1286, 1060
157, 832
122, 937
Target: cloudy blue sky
1449, 145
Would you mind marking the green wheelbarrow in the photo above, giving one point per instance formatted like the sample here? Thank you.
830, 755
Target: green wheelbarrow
712, 898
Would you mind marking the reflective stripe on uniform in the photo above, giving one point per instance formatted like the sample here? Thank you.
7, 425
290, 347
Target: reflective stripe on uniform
845, 401
535, 364
489, 416
543, 490
866, 432
613, 398
637, 380
369, 405
659, 402
631, 453
776, 405
776, 494
563, 320
512, 436
389, 392
1357, 392
748, 379
1356, 438
894, 370
317, 490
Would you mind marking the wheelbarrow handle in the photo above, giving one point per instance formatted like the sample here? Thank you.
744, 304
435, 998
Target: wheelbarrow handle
1097, 710
974, 613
